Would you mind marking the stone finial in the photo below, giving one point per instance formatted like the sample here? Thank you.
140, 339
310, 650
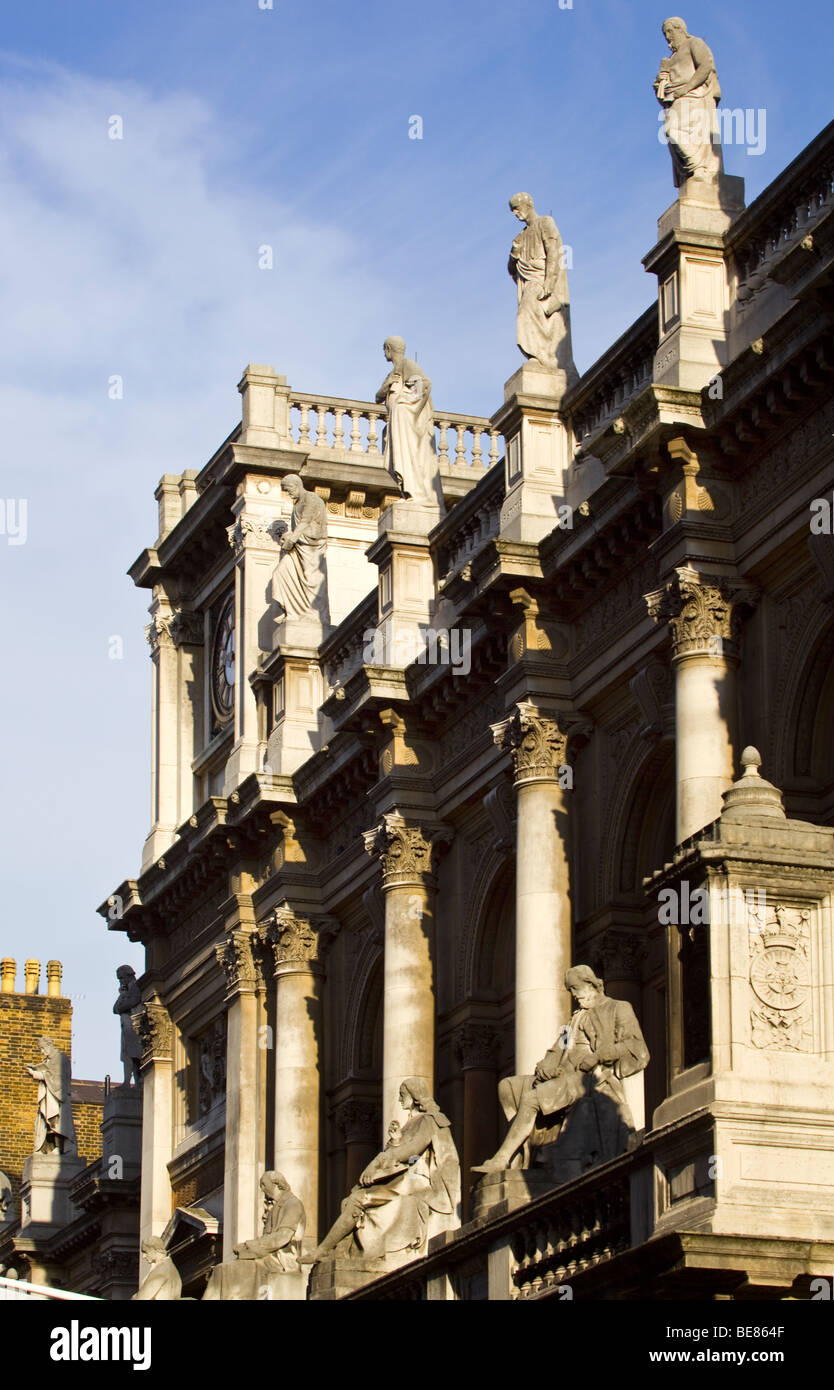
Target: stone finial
751, 795
54, 970
32, 974
8, 971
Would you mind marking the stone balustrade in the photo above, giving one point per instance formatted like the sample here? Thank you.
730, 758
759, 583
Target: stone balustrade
472, 522
333, 426
342, 653
780, 220
620, 374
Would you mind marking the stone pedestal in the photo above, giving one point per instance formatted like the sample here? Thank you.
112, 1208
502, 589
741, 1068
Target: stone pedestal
121, 1133
406, 588
543, 905
538, 452
498, 1193
44, 1191
333, 1279
297, 693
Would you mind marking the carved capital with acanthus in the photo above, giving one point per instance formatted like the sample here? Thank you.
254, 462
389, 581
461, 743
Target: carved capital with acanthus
238, 962
187, 629
359, 1120
297, 943
476, 1046
704, 613
407, 852
537, 741
153, 1025
158, 631
623, 954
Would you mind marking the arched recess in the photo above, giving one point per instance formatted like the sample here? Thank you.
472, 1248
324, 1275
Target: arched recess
361, 1051
807, 756
641, 838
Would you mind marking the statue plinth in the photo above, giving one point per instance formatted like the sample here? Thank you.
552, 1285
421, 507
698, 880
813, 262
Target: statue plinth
301, 634
335, 1277
534, 379
501, 1192
409, 518
44, 1189
537, 451
704, 206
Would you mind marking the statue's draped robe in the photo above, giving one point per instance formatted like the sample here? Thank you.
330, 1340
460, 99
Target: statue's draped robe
546, 338
247, 1279
130, 999
54, 1114
299, 583
690, 122
408, 449
593, 1118
162, 1284
417, 1197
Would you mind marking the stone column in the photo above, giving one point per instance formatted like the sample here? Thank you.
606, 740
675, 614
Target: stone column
176, 638
538, 743
243, 1147
476, 1051
359, 1121
704, 617
408, 855
298, 948
153, 1024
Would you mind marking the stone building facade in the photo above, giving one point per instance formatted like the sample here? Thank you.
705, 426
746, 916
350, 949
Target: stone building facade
374, 855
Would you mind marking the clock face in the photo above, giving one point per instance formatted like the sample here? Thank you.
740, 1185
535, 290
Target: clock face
223, 663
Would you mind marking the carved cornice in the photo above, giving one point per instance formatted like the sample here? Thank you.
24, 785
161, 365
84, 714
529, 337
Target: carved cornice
359, 1120
476, 1046
538, 743
408, 853
297, 942
238, 962
153, 1025
704, 613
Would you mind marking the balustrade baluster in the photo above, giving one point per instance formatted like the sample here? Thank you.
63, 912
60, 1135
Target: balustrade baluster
493, 447
321, 430
373, 439
355, 434
443, 452
304, 428
460, 447
477, 456
338, 432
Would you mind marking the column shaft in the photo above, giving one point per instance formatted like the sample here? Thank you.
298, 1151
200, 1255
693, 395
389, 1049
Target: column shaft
408, 1005
543, 920
705, 738
297, 1102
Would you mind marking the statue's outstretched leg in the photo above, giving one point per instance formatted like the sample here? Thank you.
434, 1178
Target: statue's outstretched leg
520, 1129
344, 1225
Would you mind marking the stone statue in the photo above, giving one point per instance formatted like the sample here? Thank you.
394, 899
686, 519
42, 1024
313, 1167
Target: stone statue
5, 1198
579, 1083
299, 583
162, 1283
408, 450
410, 1191
54, 1129
537, 266
129, 998
687, 87
272, 1254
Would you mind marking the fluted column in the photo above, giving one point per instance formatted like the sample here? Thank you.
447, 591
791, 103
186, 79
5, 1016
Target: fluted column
408, 855
298, 945
243, 1147
153, 1024
704, 617
538, 743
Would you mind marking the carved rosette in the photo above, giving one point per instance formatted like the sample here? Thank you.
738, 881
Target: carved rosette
537, 742
238, 962
780, 982
408, 853
297, 943
476, 1046
360, 1121
153, 1025
704, 613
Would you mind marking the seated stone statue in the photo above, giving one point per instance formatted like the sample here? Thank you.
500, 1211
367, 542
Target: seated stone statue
162, 1283
411, 1190
577, 1086
272, 1254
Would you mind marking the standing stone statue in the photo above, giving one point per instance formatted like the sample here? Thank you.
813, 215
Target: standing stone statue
537, 264
579, 1083
54, 1129
162, 1283
129, 997
410, 1191
687, 87
299, 583
258, 1262
408, 450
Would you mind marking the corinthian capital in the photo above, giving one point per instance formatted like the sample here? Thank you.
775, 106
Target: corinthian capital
153, 1024
704, 612
407, 853
237, 960
537, 742
296, 941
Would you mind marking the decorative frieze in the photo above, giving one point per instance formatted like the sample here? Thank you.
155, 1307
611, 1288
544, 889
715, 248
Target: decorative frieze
537, 742
238, 963
704, 613
407, 852
153, 1024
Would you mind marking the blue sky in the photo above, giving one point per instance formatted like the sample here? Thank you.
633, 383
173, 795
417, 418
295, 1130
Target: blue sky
139, 257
